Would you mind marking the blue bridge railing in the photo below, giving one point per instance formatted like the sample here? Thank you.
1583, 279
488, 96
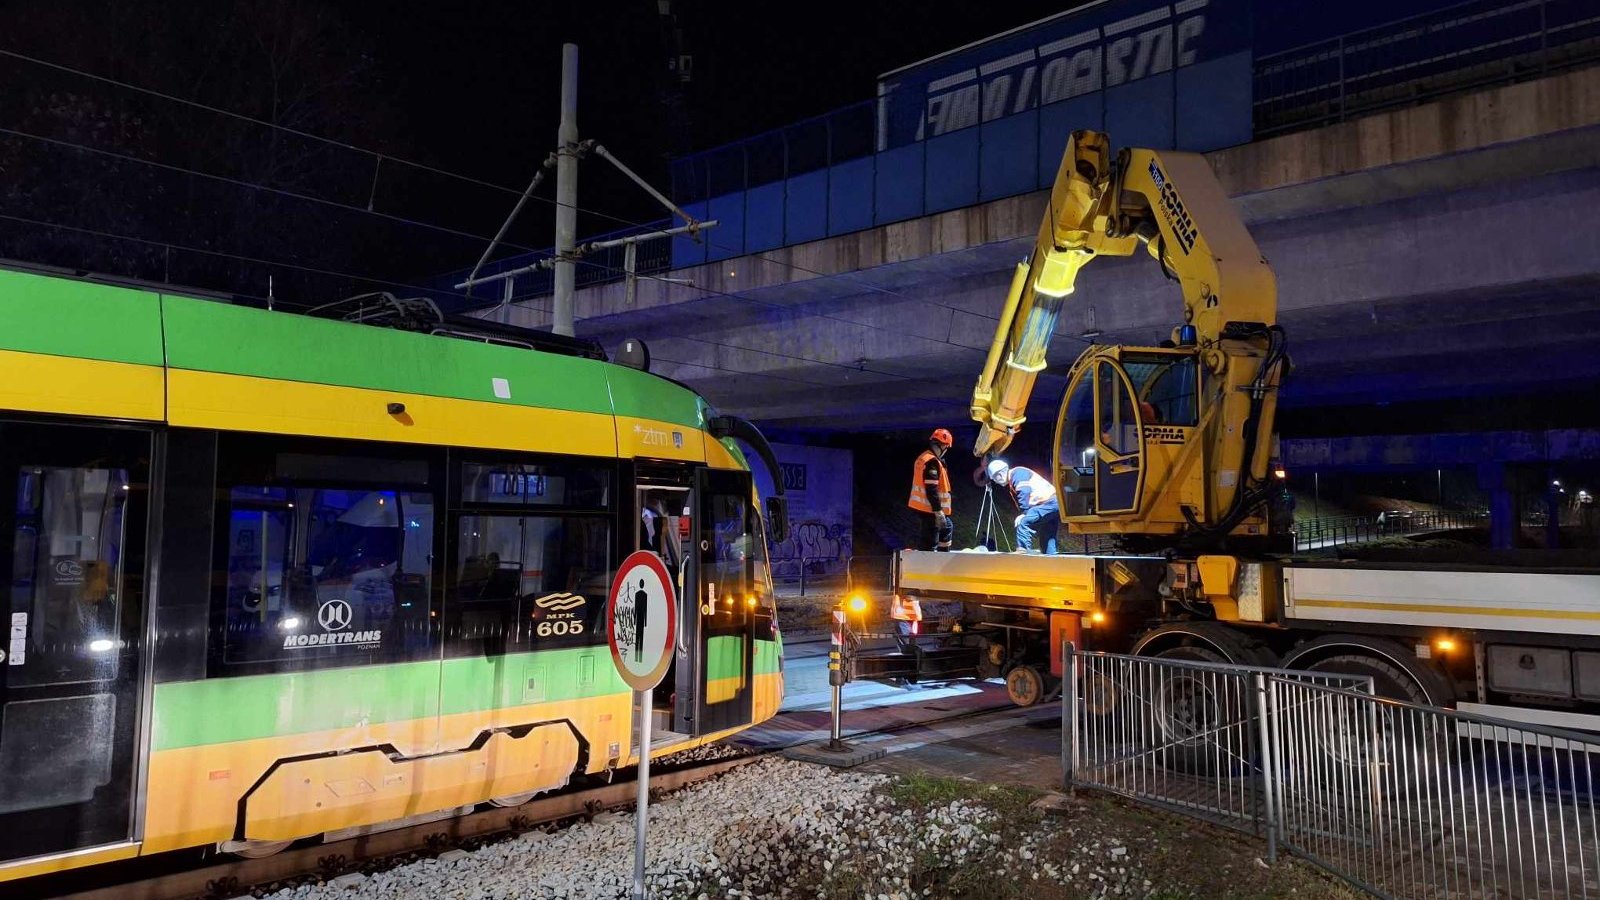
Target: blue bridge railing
1468, 45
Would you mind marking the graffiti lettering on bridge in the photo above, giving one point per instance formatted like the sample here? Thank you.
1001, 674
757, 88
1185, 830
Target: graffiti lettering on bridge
794, 476
821, 548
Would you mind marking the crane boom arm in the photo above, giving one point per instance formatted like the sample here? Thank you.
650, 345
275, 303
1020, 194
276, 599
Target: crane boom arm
1172, 203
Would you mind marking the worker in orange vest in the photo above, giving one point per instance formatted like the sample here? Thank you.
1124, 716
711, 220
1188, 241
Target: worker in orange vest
1035, 497
907, 615
930, 493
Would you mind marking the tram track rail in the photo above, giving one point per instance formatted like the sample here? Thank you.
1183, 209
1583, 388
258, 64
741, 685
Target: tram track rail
225, 878
229, 878
900, 727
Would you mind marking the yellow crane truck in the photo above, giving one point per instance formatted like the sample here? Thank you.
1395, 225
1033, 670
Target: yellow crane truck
1167, 452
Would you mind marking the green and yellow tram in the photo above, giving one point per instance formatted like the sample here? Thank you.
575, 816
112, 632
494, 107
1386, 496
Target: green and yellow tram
274, 576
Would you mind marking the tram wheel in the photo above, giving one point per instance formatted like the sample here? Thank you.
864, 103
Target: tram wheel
1025, 686
991, 660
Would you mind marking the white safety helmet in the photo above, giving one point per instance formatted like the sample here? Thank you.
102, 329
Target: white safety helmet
998, 470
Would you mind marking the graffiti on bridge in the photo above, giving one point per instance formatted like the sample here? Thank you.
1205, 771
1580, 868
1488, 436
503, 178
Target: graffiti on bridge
820, 548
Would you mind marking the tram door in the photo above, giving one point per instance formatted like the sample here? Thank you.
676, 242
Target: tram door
729, 551
73, 503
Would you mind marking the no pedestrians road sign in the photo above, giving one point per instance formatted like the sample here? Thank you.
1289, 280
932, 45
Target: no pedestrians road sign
642, 620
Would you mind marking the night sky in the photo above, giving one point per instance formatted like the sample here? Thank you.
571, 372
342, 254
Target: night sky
479, 82
470, 88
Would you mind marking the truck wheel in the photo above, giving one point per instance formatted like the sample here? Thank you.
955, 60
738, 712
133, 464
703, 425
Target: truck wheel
1203, 723
1099, 695
1349, 730
1387, 680
1025, 686
1212, 641
1396, 672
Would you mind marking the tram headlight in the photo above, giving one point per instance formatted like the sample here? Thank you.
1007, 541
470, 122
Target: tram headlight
100, 645
290, 624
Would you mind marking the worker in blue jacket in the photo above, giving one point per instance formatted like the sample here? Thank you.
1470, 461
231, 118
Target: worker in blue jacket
1035, 496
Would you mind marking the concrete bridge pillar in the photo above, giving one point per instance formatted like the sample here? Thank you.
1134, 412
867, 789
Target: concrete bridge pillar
1502, 509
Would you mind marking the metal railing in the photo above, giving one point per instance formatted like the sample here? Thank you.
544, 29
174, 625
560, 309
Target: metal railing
1413, 801
1178, 734
1400, 800
810, 574
870, 574
1335, 531
812, 145
1465, 46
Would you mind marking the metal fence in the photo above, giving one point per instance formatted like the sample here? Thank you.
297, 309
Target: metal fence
1469, 45
1401, 800
1179, 734
812, 145
1334, 531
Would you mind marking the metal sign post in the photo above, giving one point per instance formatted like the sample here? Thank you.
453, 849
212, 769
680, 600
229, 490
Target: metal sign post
836, 681
641, 803
642, 627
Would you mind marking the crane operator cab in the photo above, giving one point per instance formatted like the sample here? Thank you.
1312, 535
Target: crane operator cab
1138, 432
1129, 413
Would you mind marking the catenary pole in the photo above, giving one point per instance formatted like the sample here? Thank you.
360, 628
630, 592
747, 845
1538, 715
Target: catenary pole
566, 192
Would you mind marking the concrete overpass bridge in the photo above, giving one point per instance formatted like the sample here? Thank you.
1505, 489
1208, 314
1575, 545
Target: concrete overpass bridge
1447, 249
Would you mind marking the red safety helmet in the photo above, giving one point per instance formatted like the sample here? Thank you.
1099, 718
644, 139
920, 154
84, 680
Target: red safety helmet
942, 435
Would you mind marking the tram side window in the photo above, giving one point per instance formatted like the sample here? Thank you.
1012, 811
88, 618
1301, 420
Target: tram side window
571, 486
66, 569
528, 582
321, 569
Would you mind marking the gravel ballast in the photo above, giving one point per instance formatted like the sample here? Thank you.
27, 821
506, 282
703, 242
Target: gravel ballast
778, 828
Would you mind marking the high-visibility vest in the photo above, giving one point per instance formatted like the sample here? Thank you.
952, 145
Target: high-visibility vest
919, 489
1040, 490
904, 610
